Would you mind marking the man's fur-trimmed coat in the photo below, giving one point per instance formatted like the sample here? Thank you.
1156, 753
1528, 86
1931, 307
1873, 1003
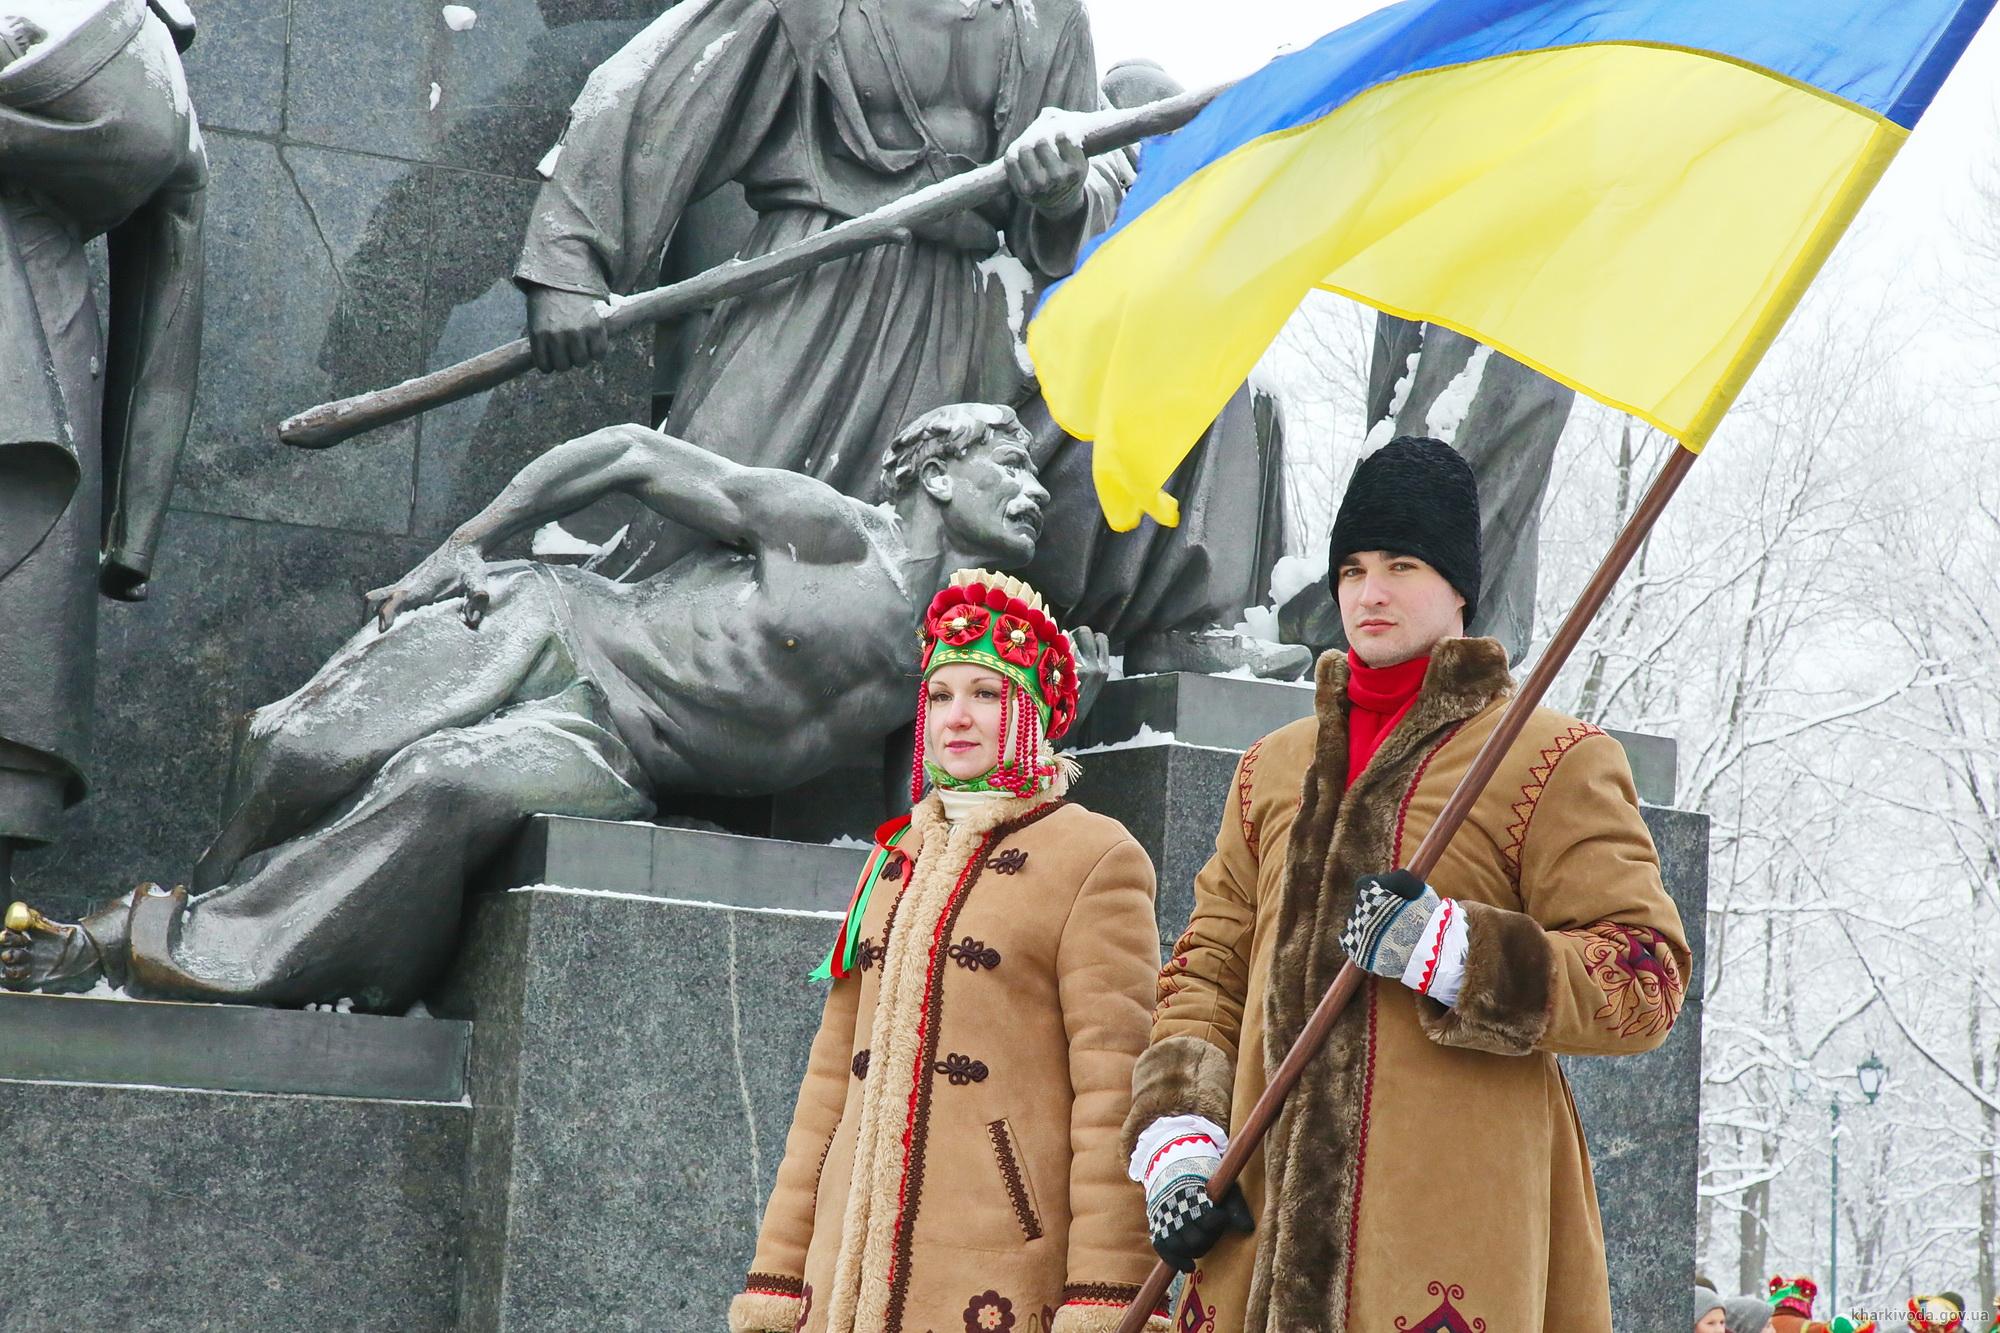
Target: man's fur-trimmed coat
954, 1158
1429, 1171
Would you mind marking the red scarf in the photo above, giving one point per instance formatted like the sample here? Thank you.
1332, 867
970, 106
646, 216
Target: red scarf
1377, 699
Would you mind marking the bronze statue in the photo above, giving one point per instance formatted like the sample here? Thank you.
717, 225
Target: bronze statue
821, 110
484, 693
97, 138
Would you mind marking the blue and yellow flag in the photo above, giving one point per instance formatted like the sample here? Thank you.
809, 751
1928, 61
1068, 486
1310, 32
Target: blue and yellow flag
1628, 195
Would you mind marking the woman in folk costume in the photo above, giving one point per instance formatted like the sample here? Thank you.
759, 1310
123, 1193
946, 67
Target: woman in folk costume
954, 1158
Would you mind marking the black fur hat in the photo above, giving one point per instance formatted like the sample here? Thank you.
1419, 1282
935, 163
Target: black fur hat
1413, 496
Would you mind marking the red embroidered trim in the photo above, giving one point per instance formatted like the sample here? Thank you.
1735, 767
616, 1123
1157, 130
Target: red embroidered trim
1171, 1144
1446, 1318
772, 1284
1170, 983
1245, 776
1437, 947
1531, 794
1361, 1152
916, 1125
1410, 792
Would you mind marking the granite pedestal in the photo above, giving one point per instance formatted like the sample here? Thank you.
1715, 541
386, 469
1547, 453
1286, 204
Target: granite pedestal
636, 1061
305, 1174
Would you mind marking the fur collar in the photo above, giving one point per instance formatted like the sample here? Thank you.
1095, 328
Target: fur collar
927, 819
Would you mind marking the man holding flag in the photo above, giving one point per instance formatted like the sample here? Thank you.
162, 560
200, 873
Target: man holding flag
1630, 197
1430, 1166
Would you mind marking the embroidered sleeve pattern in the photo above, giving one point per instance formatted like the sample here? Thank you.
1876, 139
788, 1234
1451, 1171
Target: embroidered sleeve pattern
1642, 985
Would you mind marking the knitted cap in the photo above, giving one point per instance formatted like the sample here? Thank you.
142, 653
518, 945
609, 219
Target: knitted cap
1413, 496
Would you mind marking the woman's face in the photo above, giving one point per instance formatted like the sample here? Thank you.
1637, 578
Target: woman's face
1712, 1322
962, 719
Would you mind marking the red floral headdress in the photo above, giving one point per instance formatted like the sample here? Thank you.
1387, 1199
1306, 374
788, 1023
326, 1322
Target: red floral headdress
1001, 623
1793, 1295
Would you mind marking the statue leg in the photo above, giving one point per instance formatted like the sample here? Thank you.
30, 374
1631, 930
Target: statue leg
366, 905
298, 757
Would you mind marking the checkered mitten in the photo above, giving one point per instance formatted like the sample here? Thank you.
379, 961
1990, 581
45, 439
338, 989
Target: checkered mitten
1387, 924
1184, 1221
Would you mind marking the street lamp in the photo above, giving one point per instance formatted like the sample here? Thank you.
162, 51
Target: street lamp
1870, 1074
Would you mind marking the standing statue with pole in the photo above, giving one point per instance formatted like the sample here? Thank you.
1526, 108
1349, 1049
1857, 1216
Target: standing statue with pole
821, 111
1445, 160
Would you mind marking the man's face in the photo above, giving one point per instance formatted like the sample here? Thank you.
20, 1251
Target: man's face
1395, 607
995, 509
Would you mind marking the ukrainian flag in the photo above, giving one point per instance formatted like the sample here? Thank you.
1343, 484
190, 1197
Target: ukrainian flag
1628, 195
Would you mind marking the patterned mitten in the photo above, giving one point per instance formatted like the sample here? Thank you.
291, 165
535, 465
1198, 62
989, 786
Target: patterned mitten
1185, 1222
1391, 911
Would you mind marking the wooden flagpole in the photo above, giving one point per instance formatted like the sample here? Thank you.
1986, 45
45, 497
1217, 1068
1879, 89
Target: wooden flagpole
1247, 1136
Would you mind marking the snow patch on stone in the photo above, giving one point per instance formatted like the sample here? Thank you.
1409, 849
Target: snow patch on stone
555, 539
711, 51
459, 17
546, 168
437, 95
1447, 414
678, 902
1293, 574
629, 68
1145, 737
1015, 280
1384, 430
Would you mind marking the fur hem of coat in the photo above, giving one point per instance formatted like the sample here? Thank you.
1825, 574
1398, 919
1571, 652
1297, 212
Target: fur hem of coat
1179, 1076
1343, 830
1510, 978
763, 1312
1099, 1319
940, 849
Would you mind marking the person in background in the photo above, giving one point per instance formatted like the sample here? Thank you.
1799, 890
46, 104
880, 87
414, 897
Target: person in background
1747, 1314
1709, 1314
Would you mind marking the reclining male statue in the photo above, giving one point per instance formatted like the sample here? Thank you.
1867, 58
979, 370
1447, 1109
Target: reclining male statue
487, 692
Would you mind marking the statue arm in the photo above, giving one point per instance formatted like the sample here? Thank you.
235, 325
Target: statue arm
1050, 245
725, 501
673, 115
156, 318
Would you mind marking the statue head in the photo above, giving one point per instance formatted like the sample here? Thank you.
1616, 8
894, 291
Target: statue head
973, 463
1136, 82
